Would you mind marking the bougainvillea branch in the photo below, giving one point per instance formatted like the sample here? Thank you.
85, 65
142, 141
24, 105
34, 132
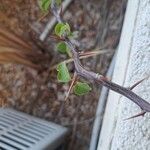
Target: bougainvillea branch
100, 79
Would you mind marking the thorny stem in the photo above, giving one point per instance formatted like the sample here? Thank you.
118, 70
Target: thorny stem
89, 75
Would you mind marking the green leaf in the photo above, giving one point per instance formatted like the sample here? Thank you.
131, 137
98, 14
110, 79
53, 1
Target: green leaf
63, 48
65, 30
63, 73
58, 28
81, 88
62, 29
44, 4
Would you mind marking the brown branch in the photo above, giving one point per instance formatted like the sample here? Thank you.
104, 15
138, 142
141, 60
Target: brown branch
100, 79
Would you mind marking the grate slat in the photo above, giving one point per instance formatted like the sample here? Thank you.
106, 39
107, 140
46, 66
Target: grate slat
17, 142
31, 131
17, 139
3, 125
16, 115
34, 128
4, 146
41, 127
27, 134
11, 119
46, 126
7, 122
12, 143
23, 137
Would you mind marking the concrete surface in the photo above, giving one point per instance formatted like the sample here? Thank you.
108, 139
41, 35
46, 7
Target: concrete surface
133, 64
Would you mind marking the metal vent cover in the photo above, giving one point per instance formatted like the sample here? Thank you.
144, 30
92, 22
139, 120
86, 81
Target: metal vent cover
19, 131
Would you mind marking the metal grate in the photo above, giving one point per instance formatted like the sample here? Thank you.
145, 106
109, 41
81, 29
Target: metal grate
19, 131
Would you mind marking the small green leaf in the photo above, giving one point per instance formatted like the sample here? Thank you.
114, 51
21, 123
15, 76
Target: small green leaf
58, 28
81, 88
63, 48
62, 29
44, 4
63, 73
65, 30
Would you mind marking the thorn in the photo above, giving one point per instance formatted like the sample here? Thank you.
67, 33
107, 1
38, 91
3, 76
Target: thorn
137, 83
72, 83
137, 115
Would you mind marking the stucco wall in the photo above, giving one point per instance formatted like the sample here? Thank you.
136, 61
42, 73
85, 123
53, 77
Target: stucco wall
133, 134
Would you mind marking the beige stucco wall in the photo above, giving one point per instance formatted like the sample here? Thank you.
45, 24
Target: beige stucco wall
133, 64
